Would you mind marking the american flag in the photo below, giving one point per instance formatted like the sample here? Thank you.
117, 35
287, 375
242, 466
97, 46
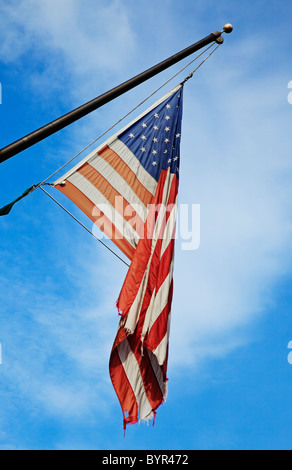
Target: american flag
128, 187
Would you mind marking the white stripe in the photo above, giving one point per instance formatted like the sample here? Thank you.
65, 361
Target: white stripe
161, 350
134, 164
114, 137
133, 373
99, 200
120, 185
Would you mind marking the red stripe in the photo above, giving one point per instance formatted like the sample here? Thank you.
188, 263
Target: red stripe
123, 388
165, 263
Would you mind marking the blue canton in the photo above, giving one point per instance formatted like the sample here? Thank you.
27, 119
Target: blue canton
155, 138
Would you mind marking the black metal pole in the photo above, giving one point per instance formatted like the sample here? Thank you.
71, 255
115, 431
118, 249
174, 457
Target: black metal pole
69, 118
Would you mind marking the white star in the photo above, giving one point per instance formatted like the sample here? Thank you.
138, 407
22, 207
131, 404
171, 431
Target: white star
131, 135
143, 137
175, 159
166, 141
167, 129
165, 151
155, 140
169, 161
167, 118
177, 136
156, 115
144, 125
168, 106
155, 128
143, 149
154, 152
154, 163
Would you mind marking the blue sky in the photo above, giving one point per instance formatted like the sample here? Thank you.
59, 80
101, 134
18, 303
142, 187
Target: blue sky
230, 380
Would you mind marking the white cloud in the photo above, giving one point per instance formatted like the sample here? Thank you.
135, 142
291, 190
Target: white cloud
68, 42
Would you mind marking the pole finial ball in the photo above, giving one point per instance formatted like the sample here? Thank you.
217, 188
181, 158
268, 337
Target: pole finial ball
228, 28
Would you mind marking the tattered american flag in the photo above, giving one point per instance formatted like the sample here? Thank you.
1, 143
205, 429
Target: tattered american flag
128, 187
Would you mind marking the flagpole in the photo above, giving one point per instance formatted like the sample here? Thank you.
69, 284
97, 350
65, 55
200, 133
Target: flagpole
67, 119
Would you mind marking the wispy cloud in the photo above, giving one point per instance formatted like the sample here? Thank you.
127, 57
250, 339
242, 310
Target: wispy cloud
56, 348
67, 42
89, 37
